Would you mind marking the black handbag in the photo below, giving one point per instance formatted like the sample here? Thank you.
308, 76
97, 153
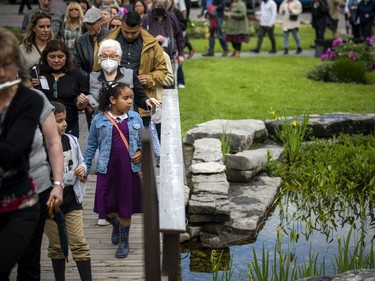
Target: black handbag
293, 17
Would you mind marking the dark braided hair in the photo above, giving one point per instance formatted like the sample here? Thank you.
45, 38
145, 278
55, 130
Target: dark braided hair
108, 91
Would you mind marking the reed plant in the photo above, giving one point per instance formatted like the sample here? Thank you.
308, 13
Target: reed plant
225, 145
218, 272
284, 266
291, 132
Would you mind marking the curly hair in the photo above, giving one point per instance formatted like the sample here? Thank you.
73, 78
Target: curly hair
29, 39
108, 91
53, 46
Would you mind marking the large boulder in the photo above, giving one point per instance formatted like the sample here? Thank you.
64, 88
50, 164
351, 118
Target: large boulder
331, 124
249, 205
352, 275
241, 133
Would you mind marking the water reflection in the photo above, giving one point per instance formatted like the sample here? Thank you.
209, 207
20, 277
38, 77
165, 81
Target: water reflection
308, 222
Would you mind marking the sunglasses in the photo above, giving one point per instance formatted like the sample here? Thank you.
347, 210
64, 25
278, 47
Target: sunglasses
73, 9
114, 25
54, 86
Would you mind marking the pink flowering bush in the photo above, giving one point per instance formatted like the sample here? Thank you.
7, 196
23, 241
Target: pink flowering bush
363, 52
347, 62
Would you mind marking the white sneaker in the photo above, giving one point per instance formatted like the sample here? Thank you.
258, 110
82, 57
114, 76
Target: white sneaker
181, 86
102, 222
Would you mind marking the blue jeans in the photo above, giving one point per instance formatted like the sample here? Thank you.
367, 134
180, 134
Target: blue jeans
295, 36
219, 31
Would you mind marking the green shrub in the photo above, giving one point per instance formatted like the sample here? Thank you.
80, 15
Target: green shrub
348, 71
370, 77
321, 72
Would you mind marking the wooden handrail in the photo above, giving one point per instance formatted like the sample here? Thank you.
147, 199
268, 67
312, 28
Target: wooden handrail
172, 173
164, 211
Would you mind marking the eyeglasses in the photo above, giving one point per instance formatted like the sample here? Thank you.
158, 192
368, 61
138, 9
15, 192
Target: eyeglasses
54, 86
73, 9
115, 25
112, 57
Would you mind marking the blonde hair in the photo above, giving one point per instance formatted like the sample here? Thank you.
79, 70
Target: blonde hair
67, 19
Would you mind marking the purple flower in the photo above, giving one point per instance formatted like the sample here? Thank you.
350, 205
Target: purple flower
373, 65
351, 56
334, 55
337, 42
324, 57
369, 41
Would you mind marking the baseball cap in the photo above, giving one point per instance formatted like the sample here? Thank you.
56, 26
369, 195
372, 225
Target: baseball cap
92, 15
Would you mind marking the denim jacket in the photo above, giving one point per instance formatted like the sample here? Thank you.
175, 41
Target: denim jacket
101, 137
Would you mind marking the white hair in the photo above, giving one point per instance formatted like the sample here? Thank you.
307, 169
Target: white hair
110, 43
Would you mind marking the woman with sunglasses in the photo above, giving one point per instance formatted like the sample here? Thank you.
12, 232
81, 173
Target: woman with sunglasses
115, 22
61, 82
73, 25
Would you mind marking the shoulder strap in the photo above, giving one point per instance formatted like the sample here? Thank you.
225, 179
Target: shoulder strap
118, 129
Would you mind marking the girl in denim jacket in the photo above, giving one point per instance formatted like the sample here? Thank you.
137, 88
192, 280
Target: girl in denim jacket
116, 131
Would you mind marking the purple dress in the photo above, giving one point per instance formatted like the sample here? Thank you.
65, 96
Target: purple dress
118, 191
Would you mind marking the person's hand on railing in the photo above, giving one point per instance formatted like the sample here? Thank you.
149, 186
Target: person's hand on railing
137, 157
151, 102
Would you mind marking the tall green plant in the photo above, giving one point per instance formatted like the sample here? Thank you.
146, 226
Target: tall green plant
291, 133
354, 257
225, 145
284, 265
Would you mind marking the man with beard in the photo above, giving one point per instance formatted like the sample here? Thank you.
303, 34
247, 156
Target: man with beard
143, 54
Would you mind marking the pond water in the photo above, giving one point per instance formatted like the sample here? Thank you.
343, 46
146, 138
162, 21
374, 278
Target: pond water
303, 230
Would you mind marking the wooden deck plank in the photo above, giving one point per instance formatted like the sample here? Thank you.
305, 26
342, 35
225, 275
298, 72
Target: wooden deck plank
104, 264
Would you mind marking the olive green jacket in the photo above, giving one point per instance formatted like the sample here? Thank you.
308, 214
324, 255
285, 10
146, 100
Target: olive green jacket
237, 21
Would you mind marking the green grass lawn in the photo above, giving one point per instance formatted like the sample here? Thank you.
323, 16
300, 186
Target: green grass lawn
247, 87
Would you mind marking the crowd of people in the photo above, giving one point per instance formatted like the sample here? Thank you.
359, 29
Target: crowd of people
110, 59
95, 57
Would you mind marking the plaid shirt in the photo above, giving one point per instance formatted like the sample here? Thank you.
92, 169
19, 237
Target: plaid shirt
70, 37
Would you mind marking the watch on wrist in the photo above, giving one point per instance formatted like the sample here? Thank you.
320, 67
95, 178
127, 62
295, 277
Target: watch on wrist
59, 183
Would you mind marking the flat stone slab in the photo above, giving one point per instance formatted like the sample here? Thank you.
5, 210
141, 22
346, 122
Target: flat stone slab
244, 165
352, 275
241, 133
207, 168
249, 205
331, 124
207, 150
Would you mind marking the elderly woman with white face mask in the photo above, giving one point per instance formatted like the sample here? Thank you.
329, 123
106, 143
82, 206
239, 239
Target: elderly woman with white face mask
109, 58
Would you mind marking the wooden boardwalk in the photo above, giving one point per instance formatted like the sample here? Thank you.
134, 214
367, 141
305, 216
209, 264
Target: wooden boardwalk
104, 264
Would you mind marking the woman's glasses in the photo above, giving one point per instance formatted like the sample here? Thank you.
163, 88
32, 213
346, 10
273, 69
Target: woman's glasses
112, 57
73, 9
54, 86
115, 26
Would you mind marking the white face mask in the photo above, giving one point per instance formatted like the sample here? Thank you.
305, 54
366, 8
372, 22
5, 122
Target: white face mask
109, 65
